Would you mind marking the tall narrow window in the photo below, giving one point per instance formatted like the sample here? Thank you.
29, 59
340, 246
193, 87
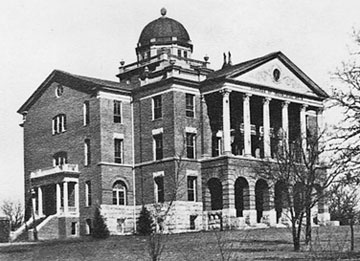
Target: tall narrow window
87, 155
86, 113
159, 189
118, 149
191, 188
190, 108
157, 107
59, 124
119, 193
117, 111
190, 145
88, 193
158, 144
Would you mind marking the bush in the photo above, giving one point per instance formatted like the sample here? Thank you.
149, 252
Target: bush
145, 224
100, 229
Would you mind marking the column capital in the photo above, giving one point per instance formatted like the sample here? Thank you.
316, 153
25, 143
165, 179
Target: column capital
304, 106
285, 104
225, 91
246, 96
266, 100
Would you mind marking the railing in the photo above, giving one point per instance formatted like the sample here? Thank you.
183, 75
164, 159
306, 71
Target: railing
71, 168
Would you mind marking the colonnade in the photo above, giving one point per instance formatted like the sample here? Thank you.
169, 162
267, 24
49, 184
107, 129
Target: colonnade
226, 119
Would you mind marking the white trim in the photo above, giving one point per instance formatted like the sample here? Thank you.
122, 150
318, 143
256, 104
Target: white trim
113, 164
157, 131
67, 179
113, 96
118, 136
191, 172
268, 94
190, 130
158, 174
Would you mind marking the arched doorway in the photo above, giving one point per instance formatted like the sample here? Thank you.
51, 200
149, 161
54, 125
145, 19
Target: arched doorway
261, 198
241, 196
215, 187
280, 199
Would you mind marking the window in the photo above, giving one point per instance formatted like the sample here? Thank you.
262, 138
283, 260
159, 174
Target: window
73, 228
60, 158
118, 149
185, 54
157, 110
190, 145
216, 147
87, 155
88, 193
191, 188
179, 52
88, 226
86, 113
59, 124
59, 90
190, 105
159, 189
192, 222
158, 144
117, 111
119, 193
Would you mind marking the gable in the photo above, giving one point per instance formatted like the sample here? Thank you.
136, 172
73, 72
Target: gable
265, 75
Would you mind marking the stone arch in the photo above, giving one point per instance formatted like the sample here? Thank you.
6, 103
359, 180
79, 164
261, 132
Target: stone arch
216, 193
262, 198
242, 200
280, 199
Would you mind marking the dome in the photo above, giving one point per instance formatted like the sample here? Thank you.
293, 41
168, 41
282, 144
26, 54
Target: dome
164, 30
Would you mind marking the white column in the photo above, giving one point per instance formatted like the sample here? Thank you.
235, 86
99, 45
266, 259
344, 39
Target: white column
76, 188
247, 124
33, 200
320, 120
40, 202
285, 123
266, 122
226, 121
66, 198
58, 198
303, 127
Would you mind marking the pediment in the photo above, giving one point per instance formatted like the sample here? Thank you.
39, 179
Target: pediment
277, 75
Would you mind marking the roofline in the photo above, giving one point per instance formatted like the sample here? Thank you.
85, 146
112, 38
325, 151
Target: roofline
57, 74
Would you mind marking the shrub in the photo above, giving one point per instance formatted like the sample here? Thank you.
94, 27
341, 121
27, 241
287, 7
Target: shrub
145, 224
100, 229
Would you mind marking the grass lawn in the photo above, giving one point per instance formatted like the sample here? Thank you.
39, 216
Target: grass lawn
329, 243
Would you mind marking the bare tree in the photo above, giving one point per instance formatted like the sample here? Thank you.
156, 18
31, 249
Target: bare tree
344, 204
14, 211
303, 178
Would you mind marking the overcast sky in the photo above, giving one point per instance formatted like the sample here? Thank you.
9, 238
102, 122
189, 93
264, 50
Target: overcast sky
89, 37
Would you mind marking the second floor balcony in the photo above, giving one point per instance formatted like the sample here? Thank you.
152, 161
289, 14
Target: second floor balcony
64, 168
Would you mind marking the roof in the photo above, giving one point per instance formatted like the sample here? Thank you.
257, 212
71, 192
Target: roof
230, 72
162, 30
82, 83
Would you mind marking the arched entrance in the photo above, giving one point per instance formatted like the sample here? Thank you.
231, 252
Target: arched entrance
261, 198
241, 196
280, 199
215, 187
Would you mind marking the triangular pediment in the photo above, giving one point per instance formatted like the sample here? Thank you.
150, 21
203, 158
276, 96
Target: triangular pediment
277, 75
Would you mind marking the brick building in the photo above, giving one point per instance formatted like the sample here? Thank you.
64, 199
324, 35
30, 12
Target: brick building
170, 124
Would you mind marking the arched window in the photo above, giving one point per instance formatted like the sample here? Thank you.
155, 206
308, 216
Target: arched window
60, 158
119, 193
59, 124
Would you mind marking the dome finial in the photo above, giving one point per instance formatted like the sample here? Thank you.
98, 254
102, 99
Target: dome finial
163, 11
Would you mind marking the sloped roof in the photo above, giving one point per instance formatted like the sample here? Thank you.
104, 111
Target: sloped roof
81, 83
233, 71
